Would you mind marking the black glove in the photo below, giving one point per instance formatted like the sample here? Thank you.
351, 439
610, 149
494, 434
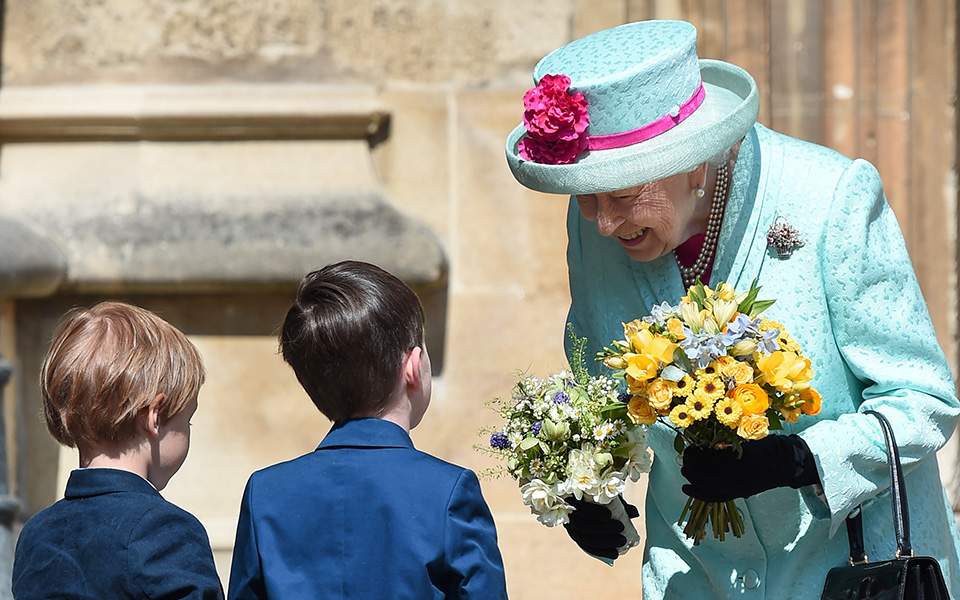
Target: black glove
772, 462
594, 529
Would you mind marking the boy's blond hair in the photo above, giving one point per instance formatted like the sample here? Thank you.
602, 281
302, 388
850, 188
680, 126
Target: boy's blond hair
108, 362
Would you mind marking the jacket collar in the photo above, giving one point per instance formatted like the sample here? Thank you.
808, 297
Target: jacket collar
366, 433
84, 483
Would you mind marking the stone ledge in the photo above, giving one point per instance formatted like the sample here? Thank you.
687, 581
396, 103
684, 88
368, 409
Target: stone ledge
189, 248
30, 264
191, 113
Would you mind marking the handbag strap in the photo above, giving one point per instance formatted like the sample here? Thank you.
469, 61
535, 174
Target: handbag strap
901, 512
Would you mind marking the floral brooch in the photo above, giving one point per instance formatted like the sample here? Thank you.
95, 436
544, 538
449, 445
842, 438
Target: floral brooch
784, 238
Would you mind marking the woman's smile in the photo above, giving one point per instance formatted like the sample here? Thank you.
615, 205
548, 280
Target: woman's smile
632, 240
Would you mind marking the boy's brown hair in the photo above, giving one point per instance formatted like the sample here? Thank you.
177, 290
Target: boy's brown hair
108, 362
346, 336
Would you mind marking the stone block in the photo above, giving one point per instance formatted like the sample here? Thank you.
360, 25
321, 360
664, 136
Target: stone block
415, 163
507, 236
205, 216
32, 264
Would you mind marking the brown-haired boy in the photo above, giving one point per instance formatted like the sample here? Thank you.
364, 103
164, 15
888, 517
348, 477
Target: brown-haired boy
365, 515
120, 384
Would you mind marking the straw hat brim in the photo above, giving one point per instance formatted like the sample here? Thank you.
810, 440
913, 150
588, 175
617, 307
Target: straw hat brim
728, 112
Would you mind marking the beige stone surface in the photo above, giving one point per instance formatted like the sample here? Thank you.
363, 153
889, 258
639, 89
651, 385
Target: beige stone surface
57, 41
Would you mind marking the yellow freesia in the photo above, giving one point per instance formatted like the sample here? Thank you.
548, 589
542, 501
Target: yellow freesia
655, 346
675, 327
744, 348
753, 427
785, 370
640, 411
615, 362
729, 412
752, 398
642, 367
660, 394
790, 415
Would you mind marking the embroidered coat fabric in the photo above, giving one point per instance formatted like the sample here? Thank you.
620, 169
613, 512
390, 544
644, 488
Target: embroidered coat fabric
850, 298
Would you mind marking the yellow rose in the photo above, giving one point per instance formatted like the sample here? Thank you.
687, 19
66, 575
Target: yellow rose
753, 427
752, 398
680, 415
640, 411
684, 387
768, 324
700, 408
811, 401
635, 387
642, 367
709, 388
660, 394
675, 327
729, 412
740, 372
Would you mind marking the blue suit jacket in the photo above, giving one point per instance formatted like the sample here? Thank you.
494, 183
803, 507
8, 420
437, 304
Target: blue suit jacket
365, 516
113, 536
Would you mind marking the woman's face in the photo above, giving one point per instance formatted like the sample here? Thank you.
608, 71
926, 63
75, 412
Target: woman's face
649, 220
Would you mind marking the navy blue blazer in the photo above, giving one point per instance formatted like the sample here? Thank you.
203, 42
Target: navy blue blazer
113, 536
365, 516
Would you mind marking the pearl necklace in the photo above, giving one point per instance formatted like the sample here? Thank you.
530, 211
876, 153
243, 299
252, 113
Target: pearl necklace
691, 274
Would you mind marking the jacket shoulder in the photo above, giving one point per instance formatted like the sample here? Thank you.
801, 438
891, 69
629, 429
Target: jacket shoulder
809, 172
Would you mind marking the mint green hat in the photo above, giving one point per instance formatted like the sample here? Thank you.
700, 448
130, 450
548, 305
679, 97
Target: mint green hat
626, 106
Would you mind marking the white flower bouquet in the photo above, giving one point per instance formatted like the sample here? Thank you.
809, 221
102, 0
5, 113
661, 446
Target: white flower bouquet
569, 436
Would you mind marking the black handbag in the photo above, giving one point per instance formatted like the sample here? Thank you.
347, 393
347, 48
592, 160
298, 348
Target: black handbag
905, 577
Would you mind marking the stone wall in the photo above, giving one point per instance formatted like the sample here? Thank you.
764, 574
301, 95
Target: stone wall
451, 74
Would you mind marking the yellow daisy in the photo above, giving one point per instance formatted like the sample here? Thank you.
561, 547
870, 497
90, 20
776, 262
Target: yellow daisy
700, 408
684, 387
680, 415
710, 388
729, 412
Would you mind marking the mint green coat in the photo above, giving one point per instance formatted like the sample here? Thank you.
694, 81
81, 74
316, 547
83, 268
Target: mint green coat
851, 299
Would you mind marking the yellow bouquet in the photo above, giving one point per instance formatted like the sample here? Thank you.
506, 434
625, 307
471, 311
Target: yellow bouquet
718, 373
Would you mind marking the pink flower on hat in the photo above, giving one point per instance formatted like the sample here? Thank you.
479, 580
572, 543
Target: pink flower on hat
556, 122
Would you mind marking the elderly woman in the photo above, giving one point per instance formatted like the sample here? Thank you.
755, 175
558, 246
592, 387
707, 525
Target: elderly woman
672, 181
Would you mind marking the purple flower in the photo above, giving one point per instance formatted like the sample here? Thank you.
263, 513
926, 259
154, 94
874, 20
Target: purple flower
535, 428
561, 397
500, 441
624, 397
768, 342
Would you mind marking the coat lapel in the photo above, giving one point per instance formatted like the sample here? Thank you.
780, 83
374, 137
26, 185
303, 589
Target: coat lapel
742, 247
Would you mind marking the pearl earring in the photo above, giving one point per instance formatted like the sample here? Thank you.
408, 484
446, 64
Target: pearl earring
700, 193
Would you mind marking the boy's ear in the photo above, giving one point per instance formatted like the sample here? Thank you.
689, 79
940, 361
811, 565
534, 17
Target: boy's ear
411, 367
148, 419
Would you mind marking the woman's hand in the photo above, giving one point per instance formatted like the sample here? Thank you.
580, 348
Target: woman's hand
594, 529
772, 462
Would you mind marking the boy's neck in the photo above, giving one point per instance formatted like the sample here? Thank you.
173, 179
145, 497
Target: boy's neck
124, 458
